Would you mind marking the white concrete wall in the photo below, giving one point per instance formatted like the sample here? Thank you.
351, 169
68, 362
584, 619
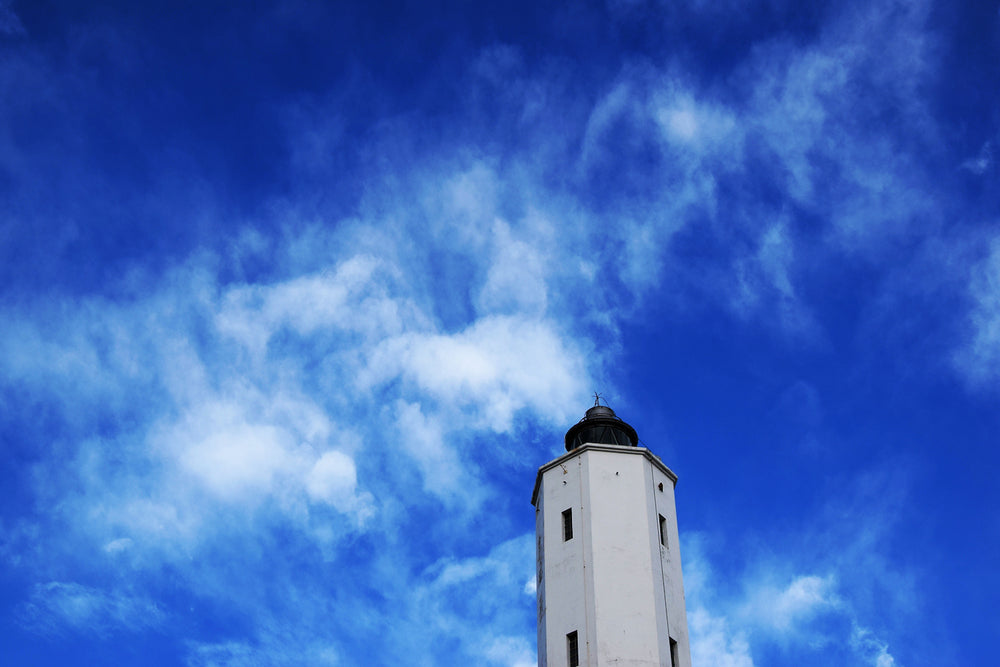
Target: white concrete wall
561, 573
670, 565
613, 582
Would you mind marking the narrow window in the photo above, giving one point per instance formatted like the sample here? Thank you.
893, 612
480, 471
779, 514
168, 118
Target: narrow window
572, 650
567, 525
673, 653
663, 530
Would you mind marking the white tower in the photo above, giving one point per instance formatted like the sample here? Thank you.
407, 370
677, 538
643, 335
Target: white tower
609, 566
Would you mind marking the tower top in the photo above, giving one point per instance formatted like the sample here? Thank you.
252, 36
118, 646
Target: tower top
600, 426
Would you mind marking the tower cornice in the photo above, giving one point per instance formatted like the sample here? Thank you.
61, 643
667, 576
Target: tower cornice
594, 447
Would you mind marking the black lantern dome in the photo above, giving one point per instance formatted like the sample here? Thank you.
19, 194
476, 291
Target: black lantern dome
600, 426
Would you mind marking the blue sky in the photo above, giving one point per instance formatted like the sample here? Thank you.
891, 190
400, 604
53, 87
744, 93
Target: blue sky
297, 297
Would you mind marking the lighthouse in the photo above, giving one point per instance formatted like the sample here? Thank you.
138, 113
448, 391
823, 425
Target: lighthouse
608, 559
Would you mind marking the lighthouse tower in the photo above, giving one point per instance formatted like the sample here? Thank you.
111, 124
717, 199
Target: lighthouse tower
609, 566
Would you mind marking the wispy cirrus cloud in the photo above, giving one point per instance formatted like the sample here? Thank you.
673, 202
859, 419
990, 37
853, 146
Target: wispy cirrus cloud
323, 397
269, 413
832, 588
803, 615
978, 358
58, 607
984, 160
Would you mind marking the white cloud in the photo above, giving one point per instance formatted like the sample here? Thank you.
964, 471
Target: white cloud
515, 282
483, 592
979, 357
425, 439
232, 458
763, 606
416, 368
252, 448
350, 298
783, 610
469, 207
983, 161
269, 650
873, 650
118, 545
511, 652
615, 105
56, 607
701, 128
333, 479
713, 642
863, 180
775, 255
681, 123
713, 637
498, 365
764, 279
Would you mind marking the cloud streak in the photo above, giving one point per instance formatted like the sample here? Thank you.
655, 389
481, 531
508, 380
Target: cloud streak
314, 416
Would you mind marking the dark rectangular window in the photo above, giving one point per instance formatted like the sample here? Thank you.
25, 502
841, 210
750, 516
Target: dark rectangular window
673, 653
663, 530
572, 650
568, 525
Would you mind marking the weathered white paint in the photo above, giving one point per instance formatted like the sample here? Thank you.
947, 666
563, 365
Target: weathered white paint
612, 582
